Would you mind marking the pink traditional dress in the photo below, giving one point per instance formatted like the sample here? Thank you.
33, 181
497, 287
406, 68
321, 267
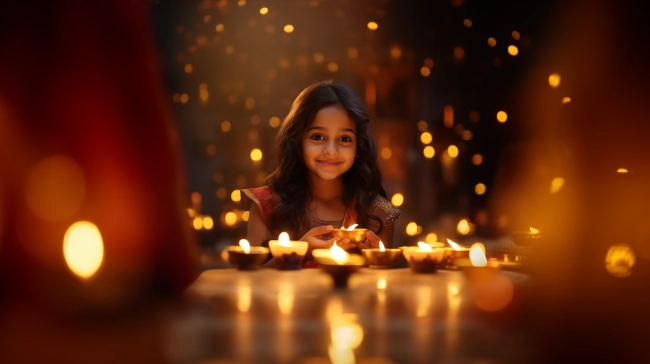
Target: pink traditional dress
263, 199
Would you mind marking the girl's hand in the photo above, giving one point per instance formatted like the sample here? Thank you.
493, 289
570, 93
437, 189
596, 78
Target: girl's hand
372, 241
313, 238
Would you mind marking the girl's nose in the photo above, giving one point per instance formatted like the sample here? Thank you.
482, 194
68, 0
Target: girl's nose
330, 149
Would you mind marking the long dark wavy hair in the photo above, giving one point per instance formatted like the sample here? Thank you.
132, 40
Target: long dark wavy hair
290, 181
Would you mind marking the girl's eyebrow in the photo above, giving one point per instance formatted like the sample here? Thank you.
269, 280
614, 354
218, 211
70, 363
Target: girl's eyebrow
315, 127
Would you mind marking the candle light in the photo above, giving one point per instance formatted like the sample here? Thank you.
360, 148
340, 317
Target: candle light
338, 263
357, 235
288, 253
423, 258
456, 255
527, 238
247, 257
481, 267
382, 257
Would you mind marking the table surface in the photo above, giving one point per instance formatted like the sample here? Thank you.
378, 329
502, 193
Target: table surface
382, 316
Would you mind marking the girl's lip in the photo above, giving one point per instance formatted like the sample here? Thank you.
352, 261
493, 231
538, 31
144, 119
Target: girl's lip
329, 163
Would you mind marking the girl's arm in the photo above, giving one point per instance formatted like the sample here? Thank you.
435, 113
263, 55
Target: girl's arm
257, 232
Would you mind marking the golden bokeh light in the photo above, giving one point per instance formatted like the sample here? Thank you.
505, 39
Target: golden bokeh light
554, 80
249, 103
426, 137
221, 193
185, 98
319, 57
480, 188
463, 227
208, 223
516, 35
332, 67
452, 150
448, 116
230, 218
431, 238
621, 170
513, 50
219, 28
428, 62
274, 122
467, 23
235, 195
477, 159
245, 215
83, 249
386, 153
256, 155
211, 150
197, 222
459, 53
395, 52
203, 92
423, 125
188, 68
492, 42
566, 100
429, 152
372, 25
353, 52
397, 199
264, 11
411, 228
425, 71
225, 126
467, 135
619, 260
502, 116
288, 28
556, 184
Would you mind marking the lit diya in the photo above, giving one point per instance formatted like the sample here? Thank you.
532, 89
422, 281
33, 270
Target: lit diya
247, 257
382, 257
338, 263
481, 267
423, 258
357, 235
456, 255
527, 238
288, 253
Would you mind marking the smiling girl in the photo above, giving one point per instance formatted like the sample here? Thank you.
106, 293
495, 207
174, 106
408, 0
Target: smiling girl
327, 175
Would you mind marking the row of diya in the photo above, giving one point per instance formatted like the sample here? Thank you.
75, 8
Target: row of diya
423, 258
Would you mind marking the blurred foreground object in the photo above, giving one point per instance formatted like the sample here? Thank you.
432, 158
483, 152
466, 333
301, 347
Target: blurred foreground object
91, 187
587, 189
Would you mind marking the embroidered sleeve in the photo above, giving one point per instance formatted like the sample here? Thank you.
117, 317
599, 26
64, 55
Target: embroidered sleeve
384, 210
261, 197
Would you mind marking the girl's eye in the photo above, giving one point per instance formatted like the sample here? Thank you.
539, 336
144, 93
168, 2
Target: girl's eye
346, 139
316, 137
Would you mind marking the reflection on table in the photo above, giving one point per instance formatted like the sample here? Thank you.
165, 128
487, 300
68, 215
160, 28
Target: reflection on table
383, 316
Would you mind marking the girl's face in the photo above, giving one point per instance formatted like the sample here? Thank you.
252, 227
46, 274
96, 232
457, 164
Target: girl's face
329, 146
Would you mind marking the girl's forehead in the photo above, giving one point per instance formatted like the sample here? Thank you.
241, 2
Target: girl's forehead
334, 117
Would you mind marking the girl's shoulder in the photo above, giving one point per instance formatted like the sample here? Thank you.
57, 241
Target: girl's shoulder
262, 197
383, 209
